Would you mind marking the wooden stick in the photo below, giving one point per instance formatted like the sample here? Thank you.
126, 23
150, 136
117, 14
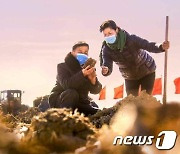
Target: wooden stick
165, 64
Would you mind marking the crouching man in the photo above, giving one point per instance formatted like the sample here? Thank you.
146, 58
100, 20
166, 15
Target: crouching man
75, 82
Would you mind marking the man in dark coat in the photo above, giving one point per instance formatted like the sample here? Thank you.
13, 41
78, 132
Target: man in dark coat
128, 52
74, 83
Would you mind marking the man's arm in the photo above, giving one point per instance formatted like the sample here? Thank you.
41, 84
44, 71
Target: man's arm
67, 81
96, 88
146, 45
105, 60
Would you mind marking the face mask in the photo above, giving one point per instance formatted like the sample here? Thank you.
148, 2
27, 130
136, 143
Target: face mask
82, 58
110, 39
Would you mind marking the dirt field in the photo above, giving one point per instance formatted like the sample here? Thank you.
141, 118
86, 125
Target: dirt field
61, 131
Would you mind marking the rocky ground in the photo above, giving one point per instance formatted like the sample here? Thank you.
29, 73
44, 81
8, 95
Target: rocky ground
61, 131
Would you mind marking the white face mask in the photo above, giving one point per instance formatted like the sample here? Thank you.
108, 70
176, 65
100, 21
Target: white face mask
110, 39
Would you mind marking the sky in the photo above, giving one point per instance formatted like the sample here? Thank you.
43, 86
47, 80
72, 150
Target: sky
36, 35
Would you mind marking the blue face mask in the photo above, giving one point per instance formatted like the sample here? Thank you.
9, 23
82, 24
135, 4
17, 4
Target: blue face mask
110, 39
82, 58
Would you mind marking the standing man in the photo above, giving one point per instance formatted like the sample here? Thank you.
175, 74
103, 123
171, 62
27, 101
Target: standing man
74, 83
129, 53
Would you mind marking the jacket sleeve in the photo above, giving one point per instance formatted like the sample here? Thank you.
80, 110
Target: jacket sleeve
105, 60
95, 89
67, 81
146, 45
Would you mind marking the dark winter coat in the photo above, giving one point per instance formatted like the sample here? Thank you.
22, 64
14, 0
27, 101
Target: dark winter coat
70, 76
133, 62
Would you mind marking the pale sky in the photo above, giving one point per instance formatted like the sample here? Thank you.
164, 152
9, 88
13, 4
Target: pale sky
36, 35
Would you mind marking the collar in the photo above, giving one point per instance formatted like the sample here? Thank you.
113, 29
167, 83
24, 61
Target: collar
72, 63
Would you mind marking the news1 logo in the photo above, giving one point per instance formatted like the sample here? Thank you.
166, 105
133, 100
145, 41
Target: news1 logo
165, 141
168, 141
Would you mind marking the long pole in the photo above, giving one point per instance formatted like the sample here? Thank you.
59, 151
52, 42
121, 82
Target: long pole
165, 63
